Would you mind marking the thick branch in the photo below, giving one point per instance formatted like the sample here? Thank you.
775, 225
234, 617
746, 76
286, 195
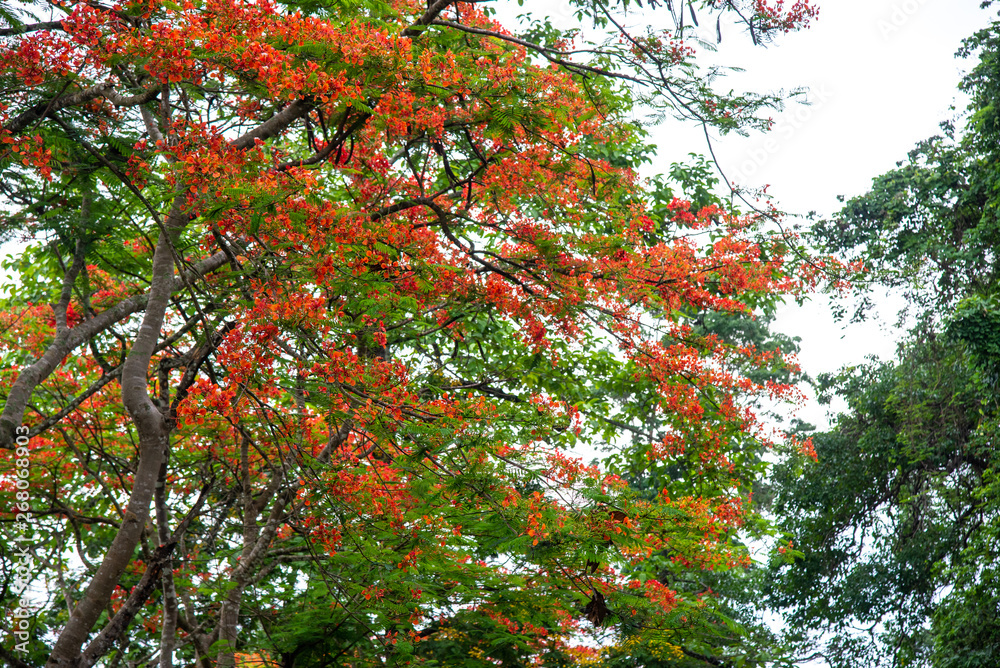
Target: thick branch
31, 27
49, 107
121, 621
241, 577
273, 126
65, 342
168, 630
62, 305
161, 560
434, 10
151, 427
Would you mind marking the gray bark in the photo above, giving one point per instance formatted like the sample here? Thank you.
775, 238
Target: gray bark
69, 339
152, 430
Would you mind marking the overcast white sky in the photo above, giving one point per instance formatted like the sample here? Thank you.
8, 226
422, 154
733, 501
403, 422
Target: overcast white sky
883, 76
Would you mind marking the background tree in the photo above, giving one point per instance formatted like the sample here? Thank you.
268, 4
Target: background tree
897, 520
318, 299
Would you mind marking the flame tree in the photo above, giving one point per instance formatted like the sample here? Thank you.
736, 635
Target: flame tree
316, 301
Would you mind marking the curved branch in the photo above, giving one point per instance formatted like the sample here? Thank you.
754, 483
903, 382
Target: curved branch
151, 426
31, 27
65, 342
49, 107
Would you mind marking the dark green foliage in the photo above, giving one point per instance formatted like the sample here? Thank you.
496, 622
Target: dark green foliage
883, 515
898, 519
931, 225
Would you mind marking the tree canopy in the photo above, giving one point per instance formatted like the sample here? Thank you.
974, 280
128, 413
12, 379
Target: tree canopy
898, 518
323, 309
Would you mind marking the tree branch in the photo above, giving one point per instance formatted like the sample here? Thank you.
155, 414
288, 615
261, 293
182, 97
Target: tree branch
64, 343
49, 107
